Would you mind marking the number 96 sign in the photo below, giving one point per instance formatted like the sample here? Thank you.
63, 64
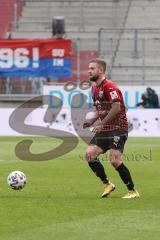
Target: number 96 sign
18, 58
50, 58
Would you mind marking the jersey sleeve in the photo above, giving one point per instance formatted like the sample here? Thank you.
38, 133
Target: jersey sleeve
113, 94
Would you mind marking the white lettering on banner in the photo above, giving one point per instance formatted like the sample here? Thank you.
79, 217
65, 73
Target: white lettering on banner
35, 53
6, 58
59, 62
131, 94
18, 57
58, 52
21, 59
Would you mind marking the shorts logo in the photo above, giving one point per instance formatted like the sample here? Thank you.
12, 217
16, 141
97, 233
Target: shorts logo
116, 140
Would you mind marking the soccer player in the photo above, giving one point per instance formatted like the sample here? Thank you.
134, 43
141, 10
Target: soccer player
111, 132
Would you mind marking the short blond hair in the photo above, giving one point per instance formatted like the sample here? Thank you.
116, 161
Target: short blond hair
100, 62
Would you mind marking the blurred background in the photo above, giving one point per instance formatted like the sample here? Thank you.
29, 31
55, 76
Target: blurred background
124, 32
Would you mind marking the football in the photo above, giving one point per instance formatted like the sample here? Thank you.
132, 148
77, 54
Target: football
91, 115
16, 180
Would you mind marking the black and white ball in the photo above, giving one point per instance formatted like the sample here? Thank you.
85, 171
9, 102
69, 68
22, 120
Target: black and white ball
16, 180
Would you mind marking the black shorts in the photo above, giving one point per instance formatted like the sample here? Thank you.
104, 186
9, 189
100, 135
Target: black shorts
110, 140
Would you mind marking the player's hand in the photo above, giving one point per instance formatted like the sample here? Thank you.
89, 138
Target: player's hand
87, 124
98, 128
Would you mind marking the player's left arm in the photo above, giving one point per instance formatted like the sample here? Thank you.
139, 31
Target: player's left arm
112, 113
113, 94
109, 117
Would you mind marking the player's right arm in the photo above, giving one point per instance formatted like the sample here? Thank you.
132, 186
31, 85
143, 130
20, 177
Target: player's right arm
90, 119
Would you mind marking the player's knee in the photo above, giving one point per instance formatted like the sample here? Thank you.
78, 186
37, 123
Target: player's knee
115, 158
112, 160
90, 155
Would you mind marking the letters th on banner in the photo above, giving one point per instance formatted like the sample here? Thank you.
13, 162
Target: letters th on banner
35, 58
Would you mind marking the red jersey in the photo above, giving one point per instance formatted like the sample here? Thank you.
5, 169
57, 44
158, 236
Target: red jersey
103, 96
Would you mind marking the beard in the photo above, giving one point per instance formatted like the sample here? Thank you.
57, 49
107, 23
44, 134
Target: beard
93, 78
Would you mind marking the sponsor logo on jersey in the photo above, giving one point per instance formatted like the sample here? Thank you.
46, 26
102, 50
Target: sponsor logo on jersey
113, 95
100, 94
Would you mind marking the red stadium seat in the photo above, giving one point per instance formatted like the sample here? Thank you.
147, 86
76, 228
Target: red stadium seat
7, 15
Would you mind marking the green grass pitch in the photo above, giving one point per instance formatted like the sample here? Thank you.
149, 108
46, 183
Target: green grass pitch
62, 197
